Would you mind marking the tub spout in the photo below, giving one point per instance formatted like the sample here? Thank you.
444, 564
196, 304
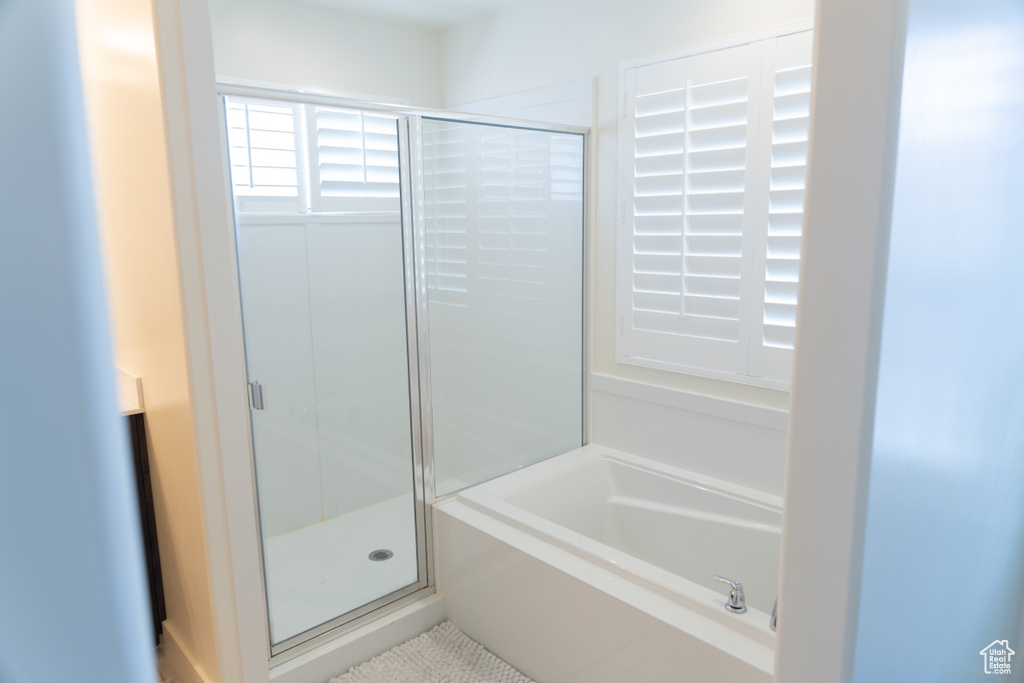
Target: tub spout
737, 601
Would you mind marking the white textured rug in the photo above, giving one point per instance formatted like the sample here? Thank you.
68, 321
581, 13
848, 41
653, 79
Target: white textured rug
443, 654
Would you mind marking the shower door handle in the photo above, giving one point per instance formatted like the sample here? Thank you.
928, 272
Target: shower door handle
257, 396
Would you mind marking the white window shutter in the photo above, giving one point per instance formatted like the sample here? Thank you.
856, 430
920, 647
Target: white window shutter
714, 168
355, 160
790, 132
263, 148
689, 204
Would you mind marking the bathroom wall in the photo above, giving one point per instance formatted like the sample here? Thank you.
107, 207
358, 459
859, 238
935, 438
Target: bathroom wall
532, 45
128, 145
529, 47
724, 429
304, 44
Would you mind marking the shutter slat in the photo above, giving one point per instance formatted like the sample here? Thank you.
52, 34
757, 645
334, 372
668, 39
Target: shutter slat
783, 270
652, 282
785, 224
661, 103
660, 124
658, 244
659, 185
780, 293
714, 307
788, 178
663, 164
717, 266
715, 203
716, 181
717, 138
719, 116
714, 245
712, 286
717, 160
718, 93
658, 225
779, 337
658, 206
790, 106
657, 263
660, 145
654, 301
786, 201
784, 248
714, 224
789, 154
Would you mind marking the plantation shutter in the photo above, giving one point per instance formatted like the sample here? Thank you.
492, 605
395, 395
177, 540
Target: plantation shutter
689, 203
787, 177
715, 161
263, 151
355, 160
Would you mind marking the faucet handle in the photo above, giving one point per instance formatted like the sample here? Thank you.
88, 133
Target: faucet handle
737, 600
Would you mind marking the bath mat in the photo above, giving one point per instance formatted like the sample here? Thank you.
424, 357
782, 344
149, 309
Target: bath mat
443, 654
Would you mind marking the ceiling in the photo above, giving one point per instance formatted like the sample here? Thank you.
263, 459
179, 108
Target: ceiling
433, 13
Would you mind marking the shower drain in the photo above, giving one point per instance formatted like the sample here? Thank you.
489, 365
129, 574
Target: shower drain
381, 555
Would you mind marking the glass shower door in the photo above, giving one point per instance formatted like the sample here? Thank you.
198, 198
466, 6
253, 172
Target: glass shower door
334, 407
502, 236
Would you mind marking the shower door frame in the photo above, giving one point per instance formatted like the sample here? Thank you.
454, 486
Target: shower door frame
417, 341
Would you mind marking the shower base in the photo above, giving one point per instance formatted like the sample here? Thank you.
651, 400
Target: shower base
321, 571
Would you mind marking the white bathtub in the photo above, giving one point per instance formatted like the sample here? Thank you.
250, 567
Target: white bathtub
642, 541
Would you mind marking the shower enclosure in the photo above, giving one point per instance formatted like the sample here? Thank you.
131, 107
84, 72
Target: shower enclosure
412, 288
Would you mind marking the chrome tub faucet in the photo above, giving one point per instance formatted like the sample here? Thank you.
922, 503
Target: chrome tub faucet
737, 601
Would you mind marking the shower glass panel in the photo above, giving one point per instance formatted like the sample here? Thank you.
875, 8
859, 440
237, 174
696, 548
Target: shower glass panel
319, 231
502, 234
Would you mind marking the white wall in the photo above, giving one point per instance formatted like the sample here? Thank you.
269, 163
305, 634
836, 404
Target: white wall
538, 44
128, 141
72, 579
309, 45
944, 538
906, 440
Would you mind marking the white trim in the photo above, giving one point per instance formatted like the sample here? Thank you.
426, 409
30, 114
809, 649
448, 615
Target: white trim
129, 392
858, 62
180, 658
278, 85
701, 372
255, 218
438, 114
762, 416
337, 655
201, 187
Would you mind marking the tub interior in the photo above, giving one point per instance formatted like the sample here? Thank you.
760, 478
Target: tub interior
681, 526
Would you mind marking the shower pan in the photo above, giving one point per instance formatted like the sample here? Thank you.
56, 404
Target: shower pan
412, 288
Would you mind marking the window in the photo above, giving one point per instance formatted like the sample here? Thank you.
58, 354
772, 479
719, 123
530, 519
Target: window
308, 158
264, 151
713, 168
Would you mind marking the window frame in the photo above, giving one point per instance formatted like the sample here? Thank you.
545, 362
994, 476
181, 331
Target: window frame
624, 225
